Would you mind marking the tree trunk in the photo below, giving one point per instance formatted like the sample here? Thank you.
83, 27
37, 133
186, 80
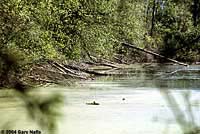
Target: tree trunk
153, 53
195, 12
153, 18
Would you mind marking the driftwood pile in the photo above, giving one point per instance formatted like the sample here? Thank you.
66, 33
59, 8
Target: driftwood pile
56, 72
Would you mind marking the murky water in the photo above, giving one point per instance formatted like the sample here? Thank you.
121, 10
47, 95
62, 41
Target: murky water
145, 100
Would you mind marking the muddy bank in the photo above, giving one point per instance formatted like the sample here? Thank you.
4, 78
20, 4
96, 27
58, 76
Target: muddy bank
67, 72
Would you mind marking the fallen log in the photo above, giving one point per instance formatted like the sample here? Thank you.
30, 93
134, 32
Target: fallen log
109, 65
120, 60
65, 71
184, 70
153, 53
65, 75
85, 70
106, 61
43, 80
101, 64
57, 67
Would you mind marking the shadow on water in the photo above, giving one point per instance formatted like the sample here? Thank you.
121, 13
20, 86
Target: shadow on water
179, 84
185, 118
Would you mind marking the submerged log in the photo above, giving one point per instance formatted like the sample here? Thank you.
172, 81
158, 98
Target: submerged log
153, 53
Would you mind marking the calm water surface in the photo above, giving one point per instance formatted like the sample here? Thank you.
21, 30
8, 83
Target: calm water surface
158, 100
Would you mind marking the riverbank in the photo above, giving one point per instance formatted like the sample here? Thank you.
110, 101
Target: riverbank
145, 102
65, 73
19, 73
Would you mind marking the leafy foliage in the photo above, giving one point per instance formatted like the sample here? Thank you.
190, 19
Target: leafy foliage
175, 30
76, 29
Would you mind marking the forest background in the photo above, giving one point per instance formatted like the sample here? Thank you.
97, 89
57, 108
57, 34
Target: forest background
34, 31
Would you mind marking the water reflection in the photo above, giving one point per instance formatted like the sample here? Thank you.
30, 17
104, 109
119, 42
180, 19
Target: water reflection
185, 79
184, 117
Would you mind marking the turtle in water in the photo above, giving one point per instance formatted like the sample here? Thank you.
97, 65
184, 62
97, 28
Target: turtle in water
93, 103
